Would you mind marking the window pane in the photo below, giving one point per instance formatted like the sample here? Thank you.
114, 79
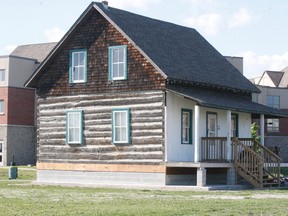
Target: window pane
121, 70
75, 59
121, 55
115, 56
115, 71
81, 73
123, 119
81, 58
117, 119
76, 73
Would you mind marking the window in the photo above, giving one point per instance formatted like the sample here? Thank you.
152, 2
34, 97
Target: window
273, 125
186, 126
74, 128
118, 63
78, 66
2, 75
120, 126
1, 106
234, 125
273, 101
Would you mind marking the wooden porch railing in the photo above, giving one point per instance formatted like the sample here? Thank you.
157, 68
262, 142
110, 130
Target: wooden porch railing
253, 161
214, 149
256, 163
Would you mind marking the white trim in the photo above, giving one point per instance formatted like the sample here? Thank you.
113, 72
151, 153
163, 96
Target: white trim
197, 140
229, 147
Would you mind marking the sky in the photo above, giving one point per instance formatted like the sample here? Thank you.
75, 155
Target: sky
253, 29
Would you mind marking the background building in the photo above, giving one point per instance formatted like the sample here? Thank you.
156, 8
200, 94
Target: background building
274, 93
17, 103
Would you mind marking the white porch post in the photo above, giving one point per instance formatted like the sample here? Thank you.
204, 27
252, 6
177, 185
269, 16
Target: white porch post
262, 126
197, 140
229, 147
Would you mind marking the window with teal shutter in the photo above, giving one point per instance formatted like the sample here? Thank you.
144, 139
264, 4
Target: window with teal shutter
74, 127
186, 126
121, 126
117, 63
78, 66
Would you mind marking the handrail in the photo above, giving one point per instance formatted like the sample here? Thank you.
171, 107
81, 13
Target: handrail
248, 163
270, 163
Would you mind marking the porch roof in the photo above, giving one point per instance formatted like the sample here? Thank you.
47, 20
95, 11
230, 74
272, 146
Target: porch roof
226, 100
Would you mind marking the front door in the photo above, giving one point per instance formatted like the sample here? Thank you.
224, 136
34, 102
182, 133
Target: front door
1, 152
212, 125
212, 147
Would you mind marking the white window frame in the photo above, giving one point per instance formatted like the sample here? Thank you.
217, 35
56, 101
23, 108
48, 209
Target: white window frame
76, 65
125, 126
113, 62
273, 125
273, 104
2, 75
79, 114
2, 107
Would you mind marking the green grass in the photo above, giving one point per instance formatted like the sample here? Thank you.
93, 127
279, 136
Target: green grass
22, 198
25, 199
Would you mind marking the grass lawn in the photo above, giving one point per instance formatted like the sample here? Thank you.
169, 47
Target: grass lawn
22, 198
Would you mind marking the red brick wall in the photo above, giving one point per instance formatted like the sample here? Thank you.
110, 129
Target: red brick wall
283, 125
21, 106
4, 96
96, 35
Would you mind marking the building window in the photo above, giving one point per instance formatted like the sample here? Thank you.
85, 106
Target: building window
273, 101
74, 127
121, 126
78, 66
234, 125
2, 75
273, 125
2, 106
186, 126
118, 63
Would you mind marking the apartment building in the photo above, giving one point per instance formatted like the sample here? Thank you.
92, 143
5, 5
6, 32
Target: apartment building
17, 103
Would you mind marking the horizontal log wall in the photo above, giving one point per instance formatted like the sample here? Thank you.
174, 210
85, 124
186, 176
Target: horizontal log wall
146, 120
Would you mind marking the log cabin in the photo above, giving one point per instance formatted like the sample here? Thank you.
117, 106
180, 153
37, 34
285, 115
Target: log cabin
127, 99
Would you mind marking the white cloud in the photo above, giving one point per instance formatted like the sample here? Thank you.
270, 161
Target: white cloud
54, 34
240, 18
142, 4
255, 65
208, 23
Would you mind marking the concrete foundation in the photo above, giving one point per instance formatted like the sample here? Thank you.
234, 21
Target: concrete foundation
201, 177
106, 178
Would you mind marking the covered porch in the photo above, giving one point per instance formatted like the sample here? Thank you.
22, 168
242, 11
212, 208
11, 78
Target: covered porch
215, 151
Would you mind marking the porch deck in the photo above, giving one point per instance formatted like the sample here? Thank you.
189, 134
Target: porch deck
251, 160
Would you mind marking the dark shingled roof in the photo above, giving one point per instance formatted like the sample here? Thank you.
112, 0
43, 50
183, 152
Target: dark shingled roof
227, 101
180, 52
34, 51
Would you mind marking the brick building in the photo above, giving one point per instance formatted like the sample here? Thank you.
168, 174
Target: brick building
17, 103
